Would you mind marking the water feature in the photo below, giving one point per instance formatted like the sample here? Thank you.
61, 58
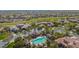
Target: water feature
39, 40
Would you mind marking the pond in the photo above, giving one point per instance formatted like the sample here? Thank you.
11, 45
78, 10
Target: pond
39, 40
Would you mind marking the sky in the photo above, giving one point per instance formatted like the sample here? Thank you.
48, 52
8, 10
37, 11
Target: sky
38, 4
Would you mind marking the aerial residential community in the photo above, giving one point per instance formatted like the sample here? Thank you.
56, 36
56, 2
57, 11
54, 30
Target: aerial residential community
39, 29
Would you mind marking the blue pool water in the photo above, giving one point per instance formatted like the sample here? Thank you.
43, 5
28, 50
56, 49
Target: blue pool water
39, 40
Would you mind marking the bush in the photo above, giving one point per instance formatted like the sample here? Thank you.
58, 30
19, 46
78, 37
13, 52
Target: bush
19, 43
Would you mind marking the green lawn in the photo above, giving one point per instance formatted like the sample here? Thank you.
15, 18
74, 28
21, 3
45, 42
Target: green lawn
33, 20
10, 45
4, 35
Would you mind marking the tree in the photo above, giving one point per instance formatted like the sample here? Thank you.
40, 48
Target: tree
19, 43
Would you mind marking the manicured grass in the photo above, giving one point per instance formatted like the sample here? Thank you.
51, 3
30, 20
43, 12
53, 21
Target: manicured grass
10, 24
4, 35
33, 20
10, 45
48, 19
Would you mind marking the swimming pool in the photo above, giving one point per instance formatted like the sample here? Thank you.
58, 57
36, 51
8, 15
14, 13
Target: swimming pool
39, 40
